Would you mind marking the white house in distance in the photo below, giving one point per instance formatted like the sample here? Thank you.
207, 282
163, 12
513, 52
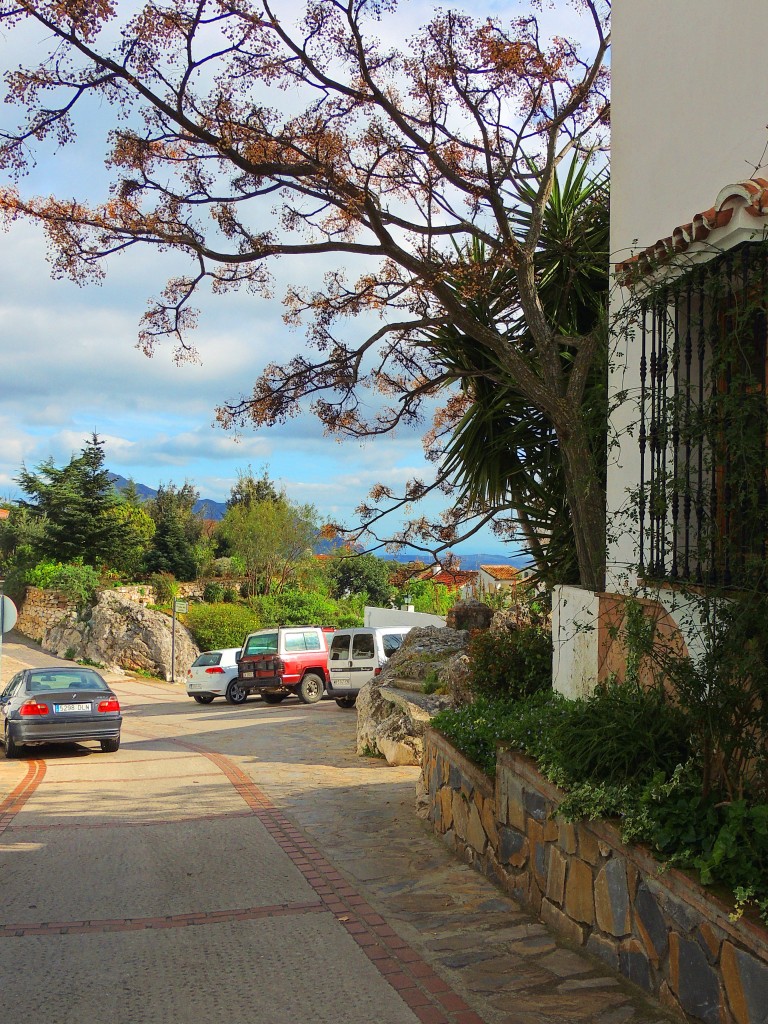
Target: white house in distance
495, 579
689, 205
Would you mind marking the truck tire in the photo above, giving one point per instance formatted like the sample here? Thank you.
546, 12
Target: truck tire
203, 698
310, 689
346, 702
235, 693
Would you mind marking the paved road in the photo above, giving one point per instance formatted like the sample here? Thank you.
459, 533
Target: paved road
236, 865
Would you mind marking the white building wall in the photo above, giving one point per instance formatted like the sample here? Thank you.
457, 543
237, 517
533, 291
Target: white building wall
396, 617
689, 108
574, 641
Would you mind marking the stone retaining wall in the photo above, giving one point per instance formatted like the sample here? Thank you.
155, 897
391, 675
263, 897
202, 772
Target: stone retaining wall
43, 609
661, 930
141, 593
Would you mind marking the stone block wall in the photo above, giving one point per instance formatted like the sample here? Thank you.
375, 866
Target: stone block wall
43, 609
141, 593
660, 929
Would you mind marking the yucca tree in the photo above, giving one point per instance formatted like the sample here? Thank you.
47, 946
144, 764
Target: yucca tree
504, 452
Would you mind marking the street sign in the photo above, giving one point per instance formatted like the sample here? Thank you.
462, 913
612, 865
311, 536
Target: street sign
182, 607
8, 614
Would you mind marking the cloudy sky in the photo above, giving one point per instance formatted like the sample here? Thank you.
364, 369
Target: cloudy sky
69, 367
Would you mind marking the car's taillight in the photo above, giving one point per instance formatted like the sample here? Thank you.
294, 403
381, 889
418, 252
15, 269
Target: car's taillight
214, 670
31, 707
377, 671
279, 666
113, 704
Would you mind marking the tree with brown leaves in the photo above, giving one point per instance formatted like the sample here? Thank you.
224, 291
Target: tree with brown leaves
240, 134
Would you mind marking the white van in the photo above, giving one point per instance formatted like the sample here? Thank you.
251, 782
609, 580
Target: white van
357, 655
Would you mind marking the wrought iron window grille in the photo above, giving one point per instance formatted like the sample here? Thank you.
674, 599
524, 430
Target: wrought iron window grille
703, 430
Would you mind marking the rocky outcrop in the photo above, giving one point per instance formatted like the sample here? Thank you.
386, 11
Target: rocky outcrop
424, 652
469, 614
393, 711
121, 634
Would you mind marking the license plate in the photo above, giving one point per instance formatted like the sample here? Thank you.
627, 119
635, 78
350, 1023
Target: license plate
72, 707
195, 686
247, 675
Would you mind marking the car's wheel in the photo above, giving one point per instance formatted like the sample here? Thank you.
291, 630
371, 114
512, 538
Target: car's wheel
111, 745
310, 689
273, 698
236, 694
203, 698
346, 702
12, 748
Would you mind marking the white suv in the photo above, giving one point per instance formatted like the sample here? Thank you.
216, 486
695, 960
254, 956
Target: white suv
214, 674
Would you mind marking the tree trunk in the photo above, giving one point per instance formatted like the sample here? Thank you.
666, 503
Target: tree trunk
586, 499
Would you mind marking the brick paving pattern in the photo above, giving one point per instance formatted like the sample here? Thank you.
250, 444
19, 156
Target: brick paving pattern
448, 946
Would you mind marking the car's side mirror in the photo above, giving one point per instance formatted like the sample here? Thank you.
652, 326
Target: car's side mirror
237, 656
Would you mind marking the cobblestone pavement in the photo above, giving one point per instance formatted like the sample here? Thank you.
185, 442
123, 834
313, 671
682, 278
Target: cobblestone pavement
242, 864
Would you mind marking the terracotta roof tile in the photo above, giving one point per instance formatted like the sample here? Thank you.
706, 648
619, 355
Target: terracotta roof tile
453, 578
501, 572
751, 196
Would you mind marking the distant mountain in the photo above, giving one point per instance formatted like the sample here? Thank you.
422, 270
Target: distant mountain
210, 509
205, 507
471, 561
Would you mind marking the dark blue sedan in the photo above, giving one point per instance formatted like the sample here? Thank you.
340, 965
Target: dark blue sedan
59, 705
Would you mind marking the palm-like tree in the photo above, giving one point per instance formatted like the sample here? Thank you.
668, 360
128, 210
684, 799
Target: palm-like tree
503, 453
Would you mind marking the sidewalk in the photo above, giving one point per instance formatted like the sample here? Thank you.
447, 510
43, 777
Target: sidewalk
497, 960
273, 878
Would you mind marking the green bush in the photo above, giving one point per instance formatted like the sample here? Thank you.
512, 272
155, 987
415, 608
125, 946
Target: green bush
76, 580
475, 729
301, 608
214, 626
621, 733
511, 663
213, 592
165, 587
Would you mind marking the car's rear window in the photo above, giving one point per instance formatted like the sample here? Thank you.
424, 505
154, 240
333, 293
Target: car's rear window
209, 658
51, 681
340, 648
261, 643
362, 645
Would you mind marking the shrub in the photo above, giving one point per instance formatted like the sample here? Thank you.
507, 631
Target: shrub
213, 592
621, 733
76, 580
475, 729
226, 567
299, 608
214, 626
511, 663
165, 587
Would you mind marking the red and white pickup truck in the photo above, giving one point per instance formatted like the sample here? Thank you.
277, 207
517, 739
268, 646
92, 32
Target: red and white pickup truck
288, 659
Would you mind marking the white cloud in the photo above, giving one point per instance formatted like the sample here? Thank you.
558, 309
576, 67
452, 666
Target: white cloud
69, 366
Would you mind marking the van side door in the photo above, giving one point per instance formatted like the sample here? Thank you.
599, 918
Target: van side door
339, 662
365, 660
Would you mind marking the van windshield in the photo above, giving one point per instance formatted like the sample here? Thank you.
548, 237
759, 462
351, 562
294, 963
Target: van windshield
261, 643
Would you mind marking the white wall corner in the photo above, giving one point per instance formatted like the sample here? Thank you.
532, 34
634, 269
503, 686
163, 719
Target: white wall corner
575, 641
